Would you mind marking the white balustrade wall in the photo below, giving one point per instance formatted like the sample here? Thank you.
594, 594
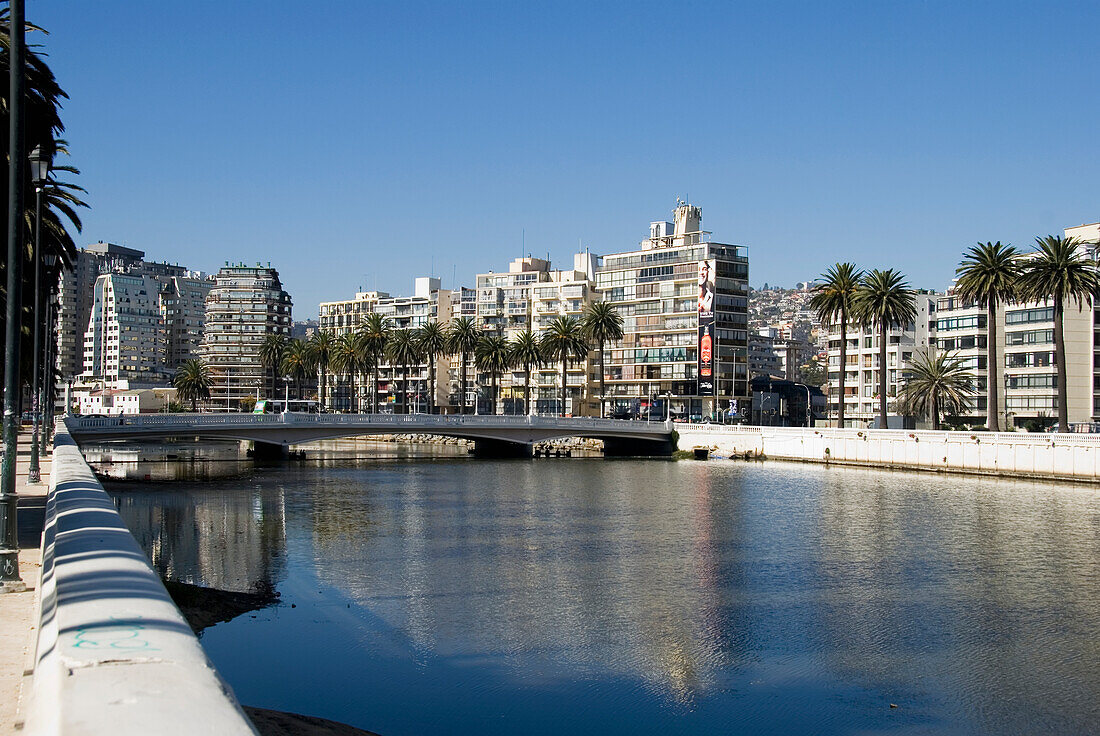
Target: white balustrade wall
1056, 456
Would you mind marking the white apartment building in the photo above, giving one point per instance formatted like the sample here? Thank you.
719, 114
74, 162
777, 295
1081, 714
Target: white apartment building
1025, 353
429, 303
530, 295
245, 305
861, 371
125, 337
684, 302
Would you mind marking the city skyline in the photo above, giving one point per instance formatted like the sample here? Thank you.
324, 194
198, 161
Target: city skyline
464, 137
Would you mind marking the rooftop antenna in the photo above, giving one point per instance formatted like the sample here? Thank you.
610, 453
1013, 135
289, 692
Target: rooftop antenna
522, 242
454, 275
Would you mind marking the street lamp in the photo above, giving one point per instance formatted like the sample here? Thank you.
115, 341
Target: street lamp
46, 389
40, 170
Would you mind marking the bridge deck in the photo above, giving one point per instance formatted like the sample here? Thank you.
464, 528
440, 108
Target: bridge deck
293, 428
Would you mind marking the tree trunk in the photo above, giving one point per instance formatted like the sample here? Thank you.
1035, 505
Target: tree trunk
564, 363
935, 413
1060, 362
431, 384
463, 377
374, 399
527, 388
601, 380
843, 365
882, 376
992, 373
405, 388
493, 382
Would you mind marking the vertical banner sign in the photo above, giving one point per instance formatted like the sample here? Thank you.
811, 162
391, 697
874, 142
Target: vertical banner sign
707, 352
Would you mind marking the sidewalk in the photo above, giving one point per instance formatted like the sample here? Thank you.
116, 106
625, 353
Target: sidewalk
19, 611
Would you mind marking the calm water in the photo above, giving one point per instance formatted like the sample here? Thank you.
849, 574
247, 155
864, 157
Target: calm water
452, 595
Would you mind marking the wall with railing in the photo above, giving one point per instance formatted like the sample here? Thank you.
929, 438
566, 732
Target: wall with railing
114, 654
1058, 456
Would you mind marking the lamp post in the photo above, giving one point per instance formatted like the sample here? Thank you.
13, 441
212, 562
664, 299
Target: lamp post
40, 169
9, 543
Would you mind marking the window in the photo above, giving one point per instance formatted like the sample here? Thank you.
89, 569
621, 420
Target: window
1023, 316
1030, 337
962, 323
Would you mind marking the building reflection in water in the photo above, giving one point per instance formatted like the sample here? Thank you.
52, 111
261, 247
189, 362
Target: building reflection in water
571, 564
217, 536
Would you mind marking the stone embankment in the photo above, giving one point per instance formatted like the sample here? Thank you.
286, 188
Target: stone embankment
1016, 454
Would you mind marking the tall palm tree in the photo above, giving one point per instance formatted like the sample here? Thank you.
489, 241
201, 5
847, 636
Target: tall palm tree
403, 350
563, 340
271, 357
193, 381
990, 274
493, 357
432, 339
462, 338
883, 300
938, 385
1060, 271
832, 300
526, 350
375, 334
347, 357
320, 351
602, 324
297, 362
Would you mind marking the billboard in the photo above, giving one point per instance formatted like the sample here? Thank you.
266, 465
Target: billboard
708, 358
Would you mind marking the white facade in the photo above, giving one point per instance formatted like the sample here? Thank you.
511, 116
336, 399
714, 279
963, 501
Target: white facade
861, 371
125, 338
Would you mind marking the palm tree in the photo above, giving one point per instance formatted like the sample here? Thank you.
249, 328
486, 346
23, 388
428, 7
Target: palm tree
832, 300
462, 338
938, 385
271, 356
347, 357
193, 381
403, 350
883, 300
526, 351
1060, 271
375, 334
563, 340
432, 339
989, 275
320, 352
602, 323
297, 362
493, 357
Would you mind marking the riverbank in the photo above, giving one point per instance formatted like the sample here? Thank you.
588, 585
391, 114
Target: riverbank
1066, 457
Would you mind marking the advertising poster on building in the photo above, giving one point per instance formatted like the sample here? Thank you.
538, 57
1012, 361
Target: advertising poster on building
707, 351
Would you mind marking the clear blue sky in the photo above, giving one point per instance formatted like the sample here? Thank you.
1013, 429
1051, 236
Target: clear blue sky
354, 143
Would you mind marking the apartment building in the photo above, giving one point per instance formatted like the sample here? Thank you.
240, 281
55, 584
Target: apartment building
76, 294
183, 314
684, 302
531, 295
428, 303
861, 370
1025, 353
244, 306
125, 338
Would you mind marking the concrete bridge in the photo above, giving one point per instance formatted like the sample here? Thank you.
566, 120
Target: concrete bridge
493, 436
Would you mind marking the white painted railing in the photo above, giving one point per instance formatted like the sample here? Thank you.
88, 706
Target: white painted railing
401, 422
114, 655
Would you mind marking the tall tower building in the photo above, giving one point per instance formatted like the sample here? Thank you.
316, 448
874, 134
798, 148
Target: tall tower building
684, 303
245, 305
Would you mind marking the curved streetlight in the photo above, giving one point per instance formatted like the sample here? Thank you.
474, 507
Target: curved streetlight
40, 171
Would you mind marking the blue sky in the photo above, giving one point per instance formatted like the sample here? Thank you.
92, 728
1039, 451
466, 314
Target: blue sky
357, 144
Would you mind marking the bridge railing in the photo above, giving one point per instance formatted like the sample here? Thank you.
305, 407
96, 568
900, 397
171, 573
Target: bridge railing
402, 422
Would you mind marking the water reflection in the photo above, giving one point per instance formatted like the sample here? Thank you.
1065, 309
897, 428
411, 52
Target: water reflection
648, 596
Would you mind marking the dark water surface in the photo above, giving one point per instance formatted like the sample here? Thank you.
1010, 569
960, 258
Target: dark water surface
455, 596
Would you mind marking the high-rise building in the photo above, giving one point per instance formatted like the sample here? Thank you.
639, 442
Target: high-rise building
1025, 353
76, 296
531, 295
125, 339
861, 372
245, 305
183, 314
429, 303
684, 303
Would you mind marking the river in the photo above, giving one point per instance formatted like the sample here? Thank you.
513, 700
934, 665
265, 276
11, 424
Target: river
424, 591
